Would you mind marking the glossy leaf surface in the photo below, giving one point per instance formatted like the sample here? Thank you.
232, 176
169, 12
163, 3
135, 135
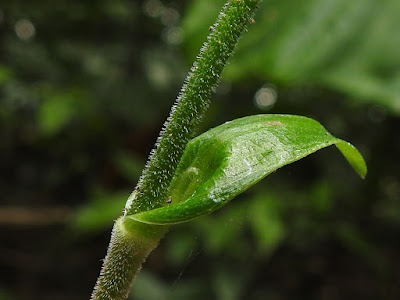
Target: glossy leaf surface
225, 161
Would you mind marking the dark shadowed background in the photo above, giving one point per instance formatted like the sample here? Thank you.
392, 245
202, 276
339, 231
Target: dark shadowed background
85, 87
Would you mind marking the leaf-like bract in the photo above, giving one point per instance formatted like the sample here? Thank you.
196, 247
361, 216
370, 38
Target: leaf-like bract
223, 162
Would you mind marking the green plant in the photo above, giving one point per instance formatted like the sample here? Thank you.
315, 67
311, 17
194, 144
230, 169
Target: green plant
187, 177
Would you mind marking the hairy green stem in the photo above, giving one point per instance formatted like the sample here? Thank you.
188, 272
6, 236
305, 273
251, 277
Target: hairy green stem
191, 105
131, 241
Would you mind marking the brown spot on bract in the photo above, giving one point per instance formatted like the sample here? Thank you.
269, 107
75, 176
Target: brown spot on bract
276, 123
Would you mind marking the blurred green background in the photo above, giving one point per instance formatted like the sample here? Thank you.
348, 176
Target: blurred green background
85, 87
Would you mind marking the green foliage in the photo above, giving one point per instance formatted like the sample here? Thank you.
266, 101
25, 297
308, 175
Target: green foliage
125, 61
100, 213
349, 46
225, 161
5, 74
266, 223
59, 108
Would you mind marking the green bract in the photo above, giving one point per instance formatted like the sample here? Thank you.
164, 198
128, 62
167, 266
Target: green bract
225, 161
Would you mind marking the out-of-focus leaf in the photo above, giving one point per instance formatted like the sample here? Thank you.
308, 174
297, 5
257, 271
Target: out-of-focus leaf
229, 283
221, 231
100, 212
59, 108
148, 287
5, 74
225, 161
128, 165
266, 223
351, 46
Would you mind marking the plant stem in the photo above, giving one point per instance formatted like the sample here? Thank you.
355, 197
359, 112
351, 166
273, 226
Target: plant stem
191, 105
131, 241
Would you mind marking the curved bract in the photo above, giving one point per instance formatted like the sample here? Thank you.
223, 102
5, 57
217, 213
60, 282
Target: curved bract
223, 162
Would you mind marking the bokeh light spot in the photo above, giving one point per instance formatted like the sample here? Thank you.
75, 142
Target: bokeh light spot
265, 97
24, 29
